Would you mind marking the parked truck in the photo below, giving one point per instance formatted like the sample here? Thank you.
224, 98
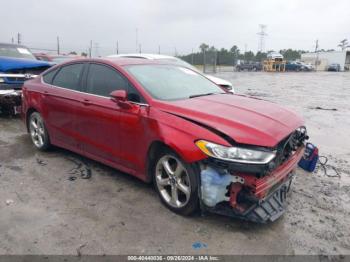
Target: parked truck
17, 64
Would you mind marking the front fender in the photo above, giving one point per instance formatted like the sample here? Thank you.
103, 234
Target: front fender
180, 135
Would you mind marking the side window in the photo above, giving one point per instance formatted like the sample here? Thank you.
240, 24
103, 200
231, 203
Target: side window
48, 77
69, 76
102, 80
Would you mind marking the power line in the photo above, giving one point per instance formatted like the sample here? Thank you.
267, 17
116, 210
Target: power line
58, 45
262, 34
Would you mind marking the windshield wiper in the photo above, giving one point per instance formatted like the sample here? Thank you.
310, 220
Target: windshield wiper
207, 94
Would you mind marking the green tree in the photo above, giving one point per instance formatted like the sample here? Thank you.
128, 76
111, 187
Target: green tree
260, 56
290, 54
235, 53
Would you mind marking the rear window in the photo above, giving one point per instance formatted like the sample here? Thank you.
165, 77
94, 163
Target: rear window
48, 77
69, 76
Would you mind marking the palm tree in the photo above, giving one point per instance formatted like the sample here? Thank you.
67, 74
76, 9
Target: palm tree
203, 47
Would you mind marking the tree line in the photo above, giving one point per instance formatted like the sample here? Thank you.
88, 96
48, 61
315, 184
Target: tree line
230, 56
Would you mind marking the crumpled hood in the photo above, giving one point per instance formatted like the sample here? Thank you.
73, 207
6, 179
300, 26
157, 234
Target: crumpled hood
10, 63
246, 120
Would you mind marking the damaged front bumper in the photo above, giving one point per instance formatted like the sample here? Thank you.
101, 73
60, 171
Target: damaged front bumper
265, 210
10, 92
250, 197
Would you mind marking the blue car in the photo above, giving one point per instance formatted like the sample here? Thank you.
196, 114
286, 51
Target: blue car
17, 64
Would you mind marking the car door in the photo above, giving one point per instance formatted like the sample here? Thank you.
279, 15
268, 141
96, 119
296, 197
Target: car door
98, 115
61, 98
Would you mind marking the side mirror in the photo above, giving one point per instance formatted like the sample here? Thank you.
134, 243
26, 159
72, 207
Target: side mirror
226, 87
120, 97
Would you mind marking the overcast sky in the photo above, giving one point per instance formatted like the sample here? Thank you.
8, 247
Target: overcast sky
180, 24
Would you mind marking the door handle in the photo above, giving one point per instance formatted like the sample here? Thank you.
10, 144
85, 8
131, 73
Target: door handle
86, 102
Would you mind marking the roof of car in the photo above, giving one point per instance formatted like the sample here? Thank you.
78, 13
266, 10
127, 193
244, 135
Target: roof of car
121, 61
143, 56
12, 45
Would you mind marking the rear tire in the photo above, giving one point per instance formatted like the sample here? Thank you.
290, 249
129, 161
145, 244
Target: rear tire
176, 183
38, 132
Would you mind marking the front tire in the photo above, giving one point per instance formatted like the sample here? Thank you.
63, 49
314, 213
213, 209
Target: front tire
176, 183
38, 131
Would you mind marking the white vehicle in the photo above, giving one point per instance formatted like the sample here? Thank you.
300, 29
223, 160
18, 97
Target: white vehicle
221, 82
306, 67
274, 55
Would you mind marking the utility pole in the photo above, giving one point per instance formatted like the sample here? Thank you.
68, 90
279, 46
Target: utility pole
316, 51
192, 56
58, 45
90, 49
159, 50
262, 34
117, 48
137, 38
140, 51
19, 38
12, 40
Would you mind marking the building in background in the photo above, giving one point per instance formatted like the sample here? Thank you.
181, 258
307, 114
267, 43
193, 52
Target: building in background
321, 60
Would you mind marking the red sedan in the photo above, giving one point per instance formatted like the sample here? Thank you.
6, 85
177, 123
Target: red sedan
200, 145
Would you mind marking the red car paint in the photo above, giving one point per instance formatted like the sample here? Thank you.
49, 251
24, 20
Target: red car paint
98, 128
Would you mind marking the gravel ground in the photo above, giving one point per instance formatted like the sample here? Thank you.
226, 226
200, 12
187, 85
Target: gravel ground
44, 212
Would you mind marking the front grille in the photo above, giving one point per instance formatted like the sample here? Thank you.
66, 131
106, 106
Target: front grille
15, 79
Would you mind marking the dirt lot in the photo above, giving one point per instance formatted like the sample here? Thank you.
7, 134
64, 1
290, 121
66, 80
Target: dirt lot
43, 212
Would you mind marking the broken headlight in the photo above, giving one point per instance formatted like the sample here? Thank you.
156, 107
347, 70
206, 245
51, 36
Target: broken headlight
235, 154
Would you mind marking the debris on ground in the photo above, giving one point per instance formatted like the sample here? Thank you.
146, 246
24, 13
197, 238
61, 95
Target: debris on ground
81, 168
72, 178
41, 162
322, 108
79, 249
322, 162
199, 245
9, 202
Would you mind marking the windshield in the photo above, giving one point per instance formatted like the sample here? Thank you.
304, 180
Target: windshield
171, 82
16, 52
179, 62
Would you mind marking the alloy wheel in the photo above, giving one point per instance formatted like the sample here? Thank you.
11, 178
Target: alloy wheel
37, 130
173, 181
